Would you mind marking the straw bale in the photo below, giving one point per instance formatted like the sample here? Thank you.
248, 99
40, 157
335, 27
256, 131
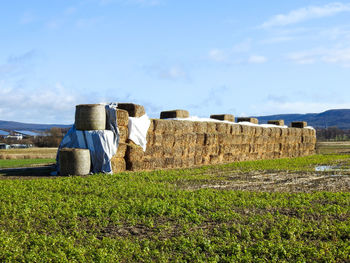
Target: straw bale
122, 118
223, 117
252, 120
134, 110
148, 165
214, 159
133, 152
275, 132
176, 151
211, 139
155, 151
123, 133
151, 126
298, 132
150, 138
198, 159
276, 122
90, 117
118, 164
284, 132
224, 139
223, 128
200, 139
189, 151
245, 139
258, 131
228, 157
235, 129
169, 162
191, 138
178, 162
211, 127
237, 139
168, 140
159, 126
157, 139
121, 150
298, 124
188, 162
174, 114
200, 127
210, 149
184, 127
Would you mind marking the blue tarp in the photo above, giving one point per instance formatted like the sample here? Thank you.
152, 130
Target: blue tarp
103, 144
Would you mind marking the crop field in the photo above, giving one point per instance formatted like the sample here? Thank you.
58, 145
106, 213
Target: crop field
28, 153
333, 147
287, 210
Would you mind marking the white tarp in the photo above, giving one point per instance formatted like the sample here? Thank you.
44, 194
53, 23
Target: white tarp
138, 128
195, 118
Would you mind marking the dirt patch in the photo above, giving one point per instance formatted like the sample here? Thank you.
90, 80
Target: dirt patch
281, 181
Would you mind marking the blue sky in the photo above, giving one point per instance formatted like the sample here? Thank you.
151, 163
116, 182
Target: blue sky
209, 57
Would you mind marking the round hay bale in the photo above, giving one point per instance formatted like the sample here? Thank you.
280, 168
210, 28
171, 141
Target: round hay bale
90, 117
74, 161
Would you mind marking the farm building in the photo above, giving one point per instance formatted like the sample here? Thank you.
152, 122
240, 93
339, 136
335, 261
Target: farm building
27, 134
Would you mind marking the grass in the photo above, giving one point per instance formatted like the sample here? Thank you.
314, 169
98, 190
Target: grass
152, 217
25, 163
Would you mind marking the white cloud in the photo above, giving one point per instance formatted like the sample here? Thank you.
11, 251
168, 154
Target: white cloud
173, 73
255, 59
335, 55
277, 39
42, 105
306, 13
27, 18
217, 55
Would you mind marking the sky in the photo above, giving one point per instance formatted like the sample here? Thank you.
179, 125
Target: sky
246, 58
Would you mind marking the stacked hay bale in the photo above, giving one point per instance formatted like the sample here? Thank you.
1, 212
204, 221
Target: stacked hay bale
118, 160
179, 144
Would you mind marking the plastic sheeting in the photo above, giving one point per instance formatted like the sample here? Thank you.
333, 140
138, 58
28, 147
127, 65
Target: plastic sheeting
138, 128
103, 144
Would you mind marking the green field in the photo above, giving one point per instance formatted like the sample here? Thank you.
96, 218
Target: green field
25, 163
262, 211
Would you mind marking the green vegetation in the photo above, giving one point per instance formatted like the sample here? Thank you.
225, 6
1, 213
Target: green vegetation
25, 162
151, 217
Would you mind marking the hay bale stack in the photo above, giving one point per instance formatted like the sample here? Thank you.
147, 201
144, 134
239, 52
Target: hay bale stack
298, 124
74, 161
174, 114
223, 117
90, 117
134, 110
245, 119
276, 122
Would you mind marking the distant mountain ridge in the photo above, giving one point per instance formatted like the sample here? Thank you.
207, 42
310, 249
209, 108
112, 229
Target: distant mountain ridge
12, 125
331, 118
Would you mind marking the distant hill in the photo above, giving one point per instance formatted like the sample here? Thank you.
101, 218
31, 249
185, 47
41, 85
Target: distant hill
330, 118
338, 118
12, 125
